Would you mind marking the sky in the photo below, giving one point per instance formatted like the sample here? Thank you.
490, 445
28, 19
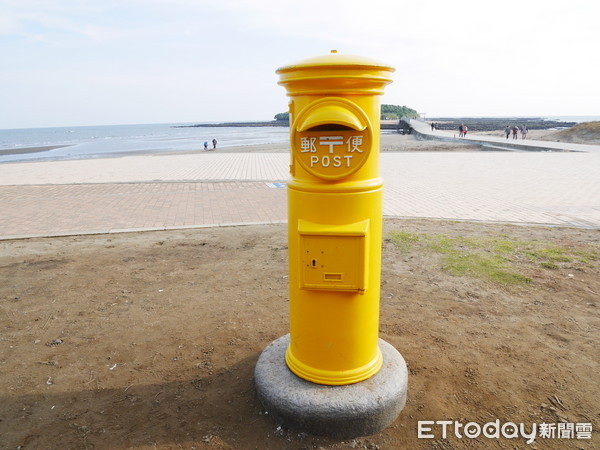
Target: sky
108, 62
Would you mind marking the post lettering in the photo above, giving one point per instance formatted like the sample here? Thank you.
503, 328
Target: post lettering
335, 154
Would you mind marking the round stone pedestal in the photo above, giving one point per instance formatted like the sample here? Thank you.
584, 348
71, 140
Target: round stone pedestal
343, 412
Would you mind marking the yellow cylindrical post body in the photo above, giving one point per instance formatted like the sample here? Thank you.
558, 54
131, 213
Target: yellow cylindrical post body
335, 217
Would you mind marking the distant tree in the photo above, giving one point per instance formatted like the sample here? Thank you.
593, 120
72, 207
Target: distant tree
387, 112
396, 112
283, 117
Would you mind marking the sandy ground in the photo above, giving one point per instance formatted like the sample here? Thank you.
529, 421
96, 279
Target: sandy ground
390, 142
394, 142
19, 151
149, 340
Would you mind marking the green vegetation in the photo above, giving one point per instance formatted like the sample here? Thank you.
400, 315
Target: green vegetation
404, 241
588, 132
283, 117
396, 112
477, 257
497, 258
387, 112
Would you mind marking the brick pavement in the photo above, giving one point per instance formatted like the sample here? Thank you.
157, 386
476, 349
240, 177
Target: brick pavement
542, 188
161, 192
52, 210
208, 166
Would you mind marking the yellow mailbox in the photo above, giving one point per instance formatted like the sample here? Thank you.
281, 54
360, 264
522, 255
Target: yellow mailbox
335, 217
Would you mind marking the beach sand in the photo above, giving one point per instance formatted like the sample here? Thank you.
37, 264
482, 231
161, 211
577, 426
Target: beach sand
393, 142
390, 142
24, 150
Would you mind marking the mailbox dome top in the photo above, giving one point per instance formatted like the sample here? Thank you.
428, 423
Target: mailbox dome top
335, 74
335, 60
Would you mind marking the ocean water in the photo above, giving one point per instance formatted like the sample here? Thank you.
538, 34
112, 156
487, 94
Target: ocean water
120, 140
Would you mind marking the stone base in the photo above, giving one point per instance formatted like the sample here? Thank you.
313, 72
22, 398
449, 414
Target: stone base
343, 412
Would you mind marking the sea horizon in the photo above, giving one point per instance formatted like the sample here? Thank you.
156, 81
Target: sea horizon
118, 140
566, 118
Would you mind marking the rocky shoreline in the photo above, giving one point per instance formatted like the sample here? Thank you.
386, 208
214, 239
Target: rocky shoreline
271, 123
444, 123
385, 125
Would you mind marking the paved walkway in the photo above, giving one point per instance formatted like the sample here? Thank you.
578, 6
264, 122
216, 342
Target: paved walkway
212, 189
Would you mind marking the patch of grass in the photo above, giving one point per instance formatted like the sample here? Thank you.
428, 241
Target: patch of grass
587, 256
478, 266
497, 258
588, 131
505, 246
404, 241
442, 243
548, 254
477, 257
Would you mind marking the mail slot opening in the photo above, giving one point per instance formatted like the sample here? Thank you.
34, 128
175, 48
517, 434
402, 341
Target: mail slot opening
330, 127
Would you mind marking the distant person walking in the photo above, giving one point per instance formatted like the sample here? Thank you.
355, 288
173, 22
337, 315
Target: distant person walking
515, 132
524, 131
461, 130
507, 131
214, 141
465, 129
205, 145
432, 126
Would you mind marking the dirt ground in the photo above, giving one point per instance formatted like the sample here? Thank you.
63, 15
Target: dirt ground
149, 340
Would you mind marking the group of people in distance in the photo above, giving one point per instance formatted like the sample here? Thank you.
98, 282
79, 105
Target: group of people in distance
214, 143
515, 131
463, 129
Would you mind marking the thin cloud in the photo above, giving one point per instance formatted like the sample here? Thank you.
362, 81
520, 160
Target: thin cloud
190, 60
